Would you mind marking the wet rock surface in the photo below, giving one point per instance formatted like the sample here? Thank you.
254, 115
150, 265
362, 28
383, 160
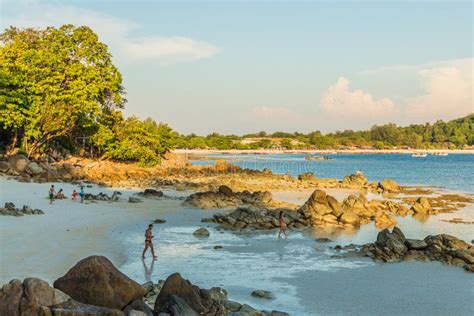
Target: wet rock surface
394, 247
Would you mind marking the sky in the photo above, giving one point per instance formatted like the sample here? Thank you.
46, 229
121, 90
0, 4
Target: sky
247, 66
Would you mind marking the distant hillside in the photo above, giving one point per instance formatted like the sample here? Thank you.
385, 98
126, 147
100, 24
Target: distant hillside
458, 133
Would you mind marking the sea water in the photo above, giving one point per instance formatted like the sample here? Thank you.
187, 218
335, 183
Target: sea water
453, 172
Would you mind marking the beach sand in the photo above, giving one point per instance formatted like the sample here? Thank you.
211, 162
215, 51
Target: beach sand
303, 275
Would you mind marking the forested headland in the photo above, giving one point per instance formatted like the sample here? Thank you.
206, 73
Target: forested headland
60, 92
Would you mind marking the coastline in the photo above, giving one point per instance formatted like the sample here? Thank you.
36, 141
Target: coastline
316, 151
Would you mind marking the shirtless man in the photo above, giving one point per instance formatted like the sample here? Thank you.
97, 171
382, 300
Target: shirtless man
148, 242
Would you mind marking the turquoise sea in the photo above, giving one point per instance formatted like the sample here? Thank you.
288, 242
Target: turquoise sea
453, 172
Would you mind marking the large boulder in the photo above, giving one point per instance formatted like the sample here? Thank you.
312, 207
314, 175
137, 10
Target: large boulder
175, 285
4, 166
18, 163
319, 203
10, 296
422, 205
95, 280
393, 241
34, 169
359, 205
225, 190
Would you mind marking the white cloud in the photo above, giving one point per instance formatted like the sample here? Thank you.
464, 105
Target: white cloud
274, 113
341, 102
117, 33
446, 93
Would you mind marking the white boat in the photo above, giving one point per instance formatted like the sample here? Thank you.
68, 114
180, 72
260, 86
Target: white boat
419, 155
440, 154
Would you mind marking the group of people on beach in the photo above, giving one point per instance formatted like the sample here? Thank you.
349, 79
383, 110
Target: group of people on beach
53, 195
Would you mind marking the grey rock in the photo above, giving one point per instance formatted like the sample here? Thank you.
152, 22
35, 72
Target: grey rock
262, 294
201, 232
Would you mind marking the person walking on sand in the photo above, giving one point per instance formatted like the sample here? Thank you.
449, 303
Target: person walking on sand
52, 193
282, 225
149, 242
82, 194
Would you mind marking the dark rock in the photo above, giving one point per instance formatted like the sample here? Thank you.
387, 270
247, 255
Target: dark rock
262, 294
159, 221
10, 296
225, 190
176, 286
138, 305
95, 280
133, 199
74, 308
201, 232
416, 244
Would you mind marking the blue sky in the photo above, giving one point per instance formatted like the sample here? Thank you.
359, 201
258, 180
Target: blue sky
236, 67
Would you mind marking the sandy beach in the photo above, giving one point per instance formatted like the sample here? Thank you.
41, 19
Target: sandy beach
295, 270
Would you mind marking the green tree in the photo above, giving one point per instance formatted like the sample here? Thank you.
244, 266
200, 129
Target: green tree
54, 81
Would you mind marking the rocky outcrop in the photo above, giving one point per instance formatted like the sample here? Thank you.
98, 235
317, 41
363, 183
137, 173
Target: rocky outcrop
151, 194
226, 198
388, 185
103, 196
394, 246
180, 297
422, 205
258, 218
95, 280
308, 176
10, 210
354, 181
18, 163
29, 297
98, 289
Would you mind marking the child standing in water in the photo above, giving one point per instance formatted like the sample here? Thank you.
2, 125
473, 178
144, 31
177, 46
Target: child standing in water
52, 192
81, 194
74, 195
282, 225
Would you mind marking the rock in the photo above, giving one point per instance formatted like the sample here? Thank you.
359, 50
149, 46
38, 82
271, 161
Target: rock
36, 293
138, 305
355, 181
217, 247
320, 204
383, 220
136, 313
323, 239
262, 294
394, 242
223, 189
152, 193
95, 280
18, 163
416, 244
10, 296
350, 218
278, 313
308, 176
422, 205
34, 169
201, 232
159, 221
133, 199
389, 185
4, 166
176, 286
232, 306
74, 308
249, 311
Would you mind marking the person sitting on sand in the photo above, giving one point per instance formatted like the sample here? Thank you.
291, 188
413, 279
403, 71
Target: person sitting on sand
52, 193
74, 195
60, 195
282, 225
149, 242
82, 194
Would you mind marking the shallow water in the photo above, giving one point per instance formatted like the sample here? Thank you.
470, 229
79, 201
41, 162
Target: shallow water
305, 276
454, 172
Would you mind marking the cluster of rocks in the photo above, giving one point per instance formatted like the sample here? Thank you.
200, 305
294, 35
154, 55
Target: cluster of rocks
103, 197
394, 246
320, 209
21, 167
11, 210
224, 197
94, 287
151, 194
